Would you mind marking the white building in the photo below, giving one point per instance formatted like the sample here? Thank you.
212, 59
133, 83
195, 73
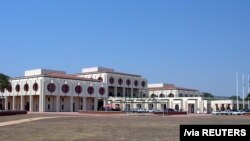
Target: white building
54, 91
44, 90
120, 85
178, 98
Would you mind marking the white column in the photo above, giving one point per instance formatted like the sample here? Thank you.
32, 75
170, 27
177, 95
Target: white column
6, 103
42, 103
105, 101
22, 103
57, 103
170, 103
132, 92
14, 103
95, 103
200, 106
195, 106
84, 104
123, 92
183, 107
31, 103
71, 104
115, 91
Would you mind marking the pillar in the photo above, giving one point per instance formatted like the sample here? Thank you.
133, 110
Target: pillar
169, 103
6, 103
22, 102
71, 104
123, 92
84, 104
115, 91
95, 104
14, 103
195, 106
58, 103
132, 92
42, 103
183, 105
105, 101
31, 103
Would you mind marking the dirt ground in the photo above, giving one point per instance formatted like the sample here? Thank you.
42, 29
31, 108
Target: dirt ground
75, 127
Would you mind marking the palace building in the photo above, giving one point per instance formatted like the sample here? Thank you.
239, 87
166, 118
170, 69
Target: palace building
44, 90
93, 89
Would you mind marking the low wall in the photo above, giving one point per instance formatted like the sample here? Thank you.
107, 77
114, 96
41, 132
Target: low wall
101, 112
171, 113
8, 113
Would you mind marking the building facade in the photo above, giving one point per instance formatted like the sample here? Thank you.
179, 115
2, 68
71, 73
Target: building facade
96, 88
121, 86
54, 91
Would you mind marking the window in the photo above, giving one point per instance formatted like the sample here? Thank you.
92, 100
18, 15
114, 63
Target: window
62, 99
171, 95
162, 95
136, 83
17, 88
101, 79
51, 87
101, 91
90, 90
48, 99
111, 80
120, 81
48, 106
153, 96
128, 82
26, 87
35, 86
78, 89
65, 88
143, 83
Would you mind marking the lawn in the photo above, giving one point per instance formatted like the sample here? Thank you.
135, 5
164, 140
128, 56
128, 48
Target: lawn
108, 128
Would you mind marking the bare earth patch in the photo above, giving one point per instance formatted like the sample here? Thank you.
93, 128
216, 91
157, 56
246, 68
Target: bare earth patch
107, 128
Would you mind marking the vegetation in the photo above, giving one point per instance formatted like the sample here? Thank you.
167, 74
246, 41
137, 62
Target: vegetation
247, 97
234, 97
4, 82
206, 94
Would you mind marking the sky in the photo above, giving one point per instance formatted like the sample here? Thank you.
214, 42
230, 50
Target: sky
193, 44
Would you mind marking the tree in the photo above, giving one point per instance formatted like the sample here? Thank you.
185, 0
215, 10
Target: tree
4, 82
247, 97
206, 94
234, 97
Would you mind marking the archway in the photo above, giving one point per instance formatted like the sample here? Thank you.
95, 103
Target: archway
177, 107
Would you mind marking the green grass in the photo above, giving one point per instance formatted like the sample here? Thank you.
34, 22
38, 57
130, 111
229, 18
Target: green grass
109, 128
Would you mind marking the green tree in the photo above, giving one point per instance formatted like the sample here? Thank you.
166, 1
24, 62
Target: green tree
234, 97
206, 94
247, 97
4, 82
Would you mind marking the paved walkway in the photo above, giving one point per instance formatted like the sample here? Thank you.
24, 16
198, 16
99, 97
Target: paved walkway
26, 120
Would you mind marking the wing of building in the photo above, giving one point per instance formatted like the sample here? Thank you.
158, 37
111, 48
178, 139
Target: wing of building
100, 88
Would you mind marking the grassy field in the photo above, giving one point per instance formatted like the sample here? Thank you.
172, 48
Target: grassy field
107, 128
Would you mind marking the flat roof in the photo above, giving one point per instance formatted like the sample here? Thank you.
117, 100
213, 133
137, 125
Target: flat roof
55, 75
170, 87
118, 73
